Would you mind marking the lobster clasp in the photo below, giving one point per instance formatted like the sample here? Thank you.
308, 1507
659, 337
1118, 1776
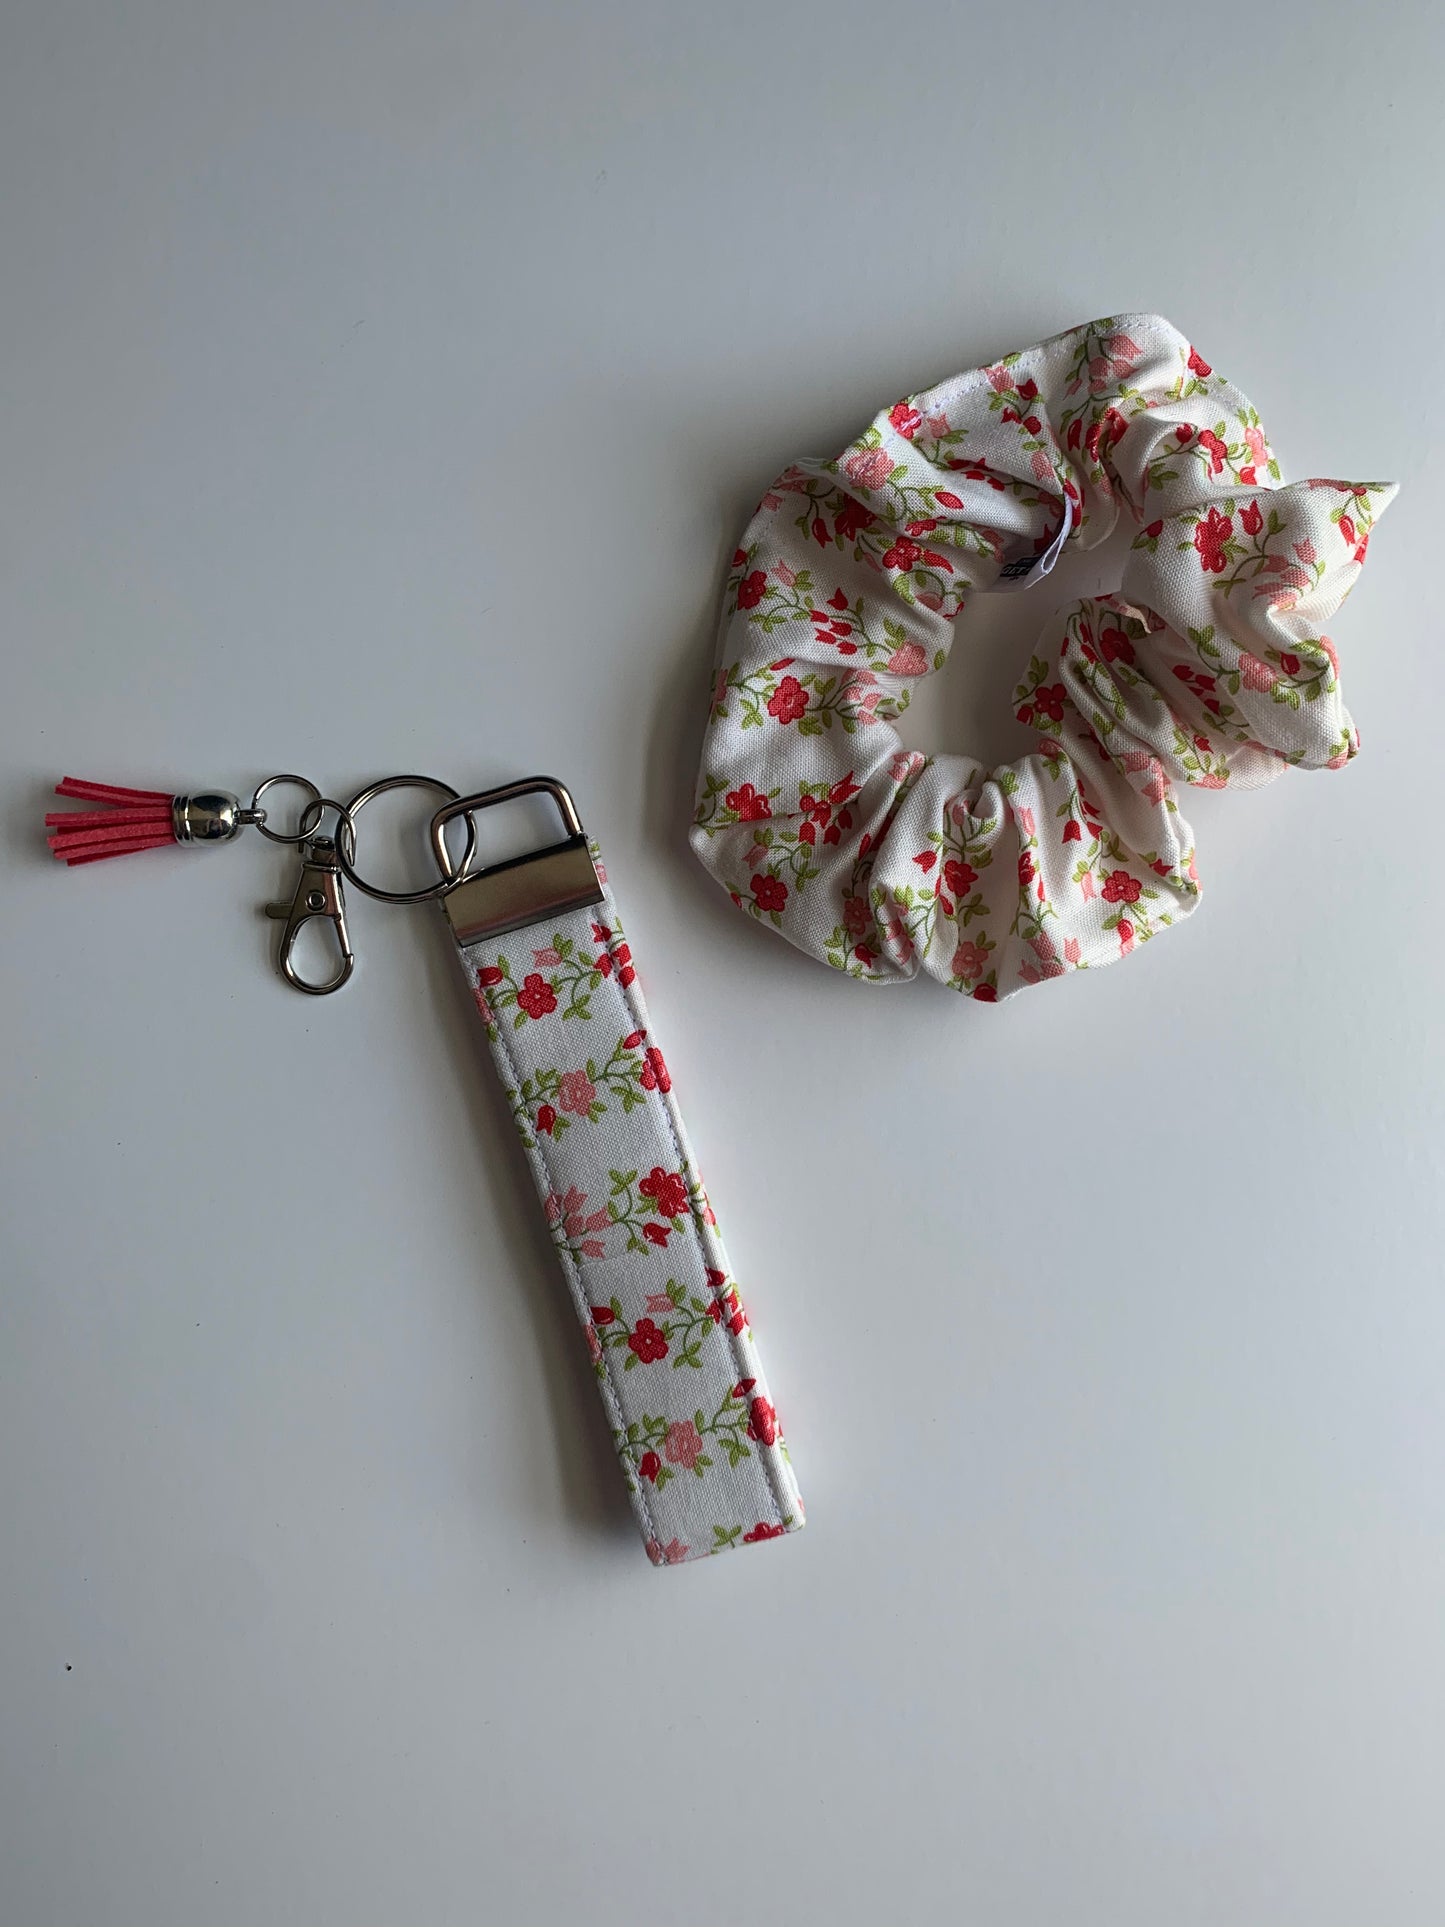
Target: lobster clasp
319, 893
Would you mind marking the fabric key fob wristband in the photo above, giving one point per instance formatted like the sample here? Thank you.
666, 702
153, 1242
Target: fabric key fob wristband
542, 946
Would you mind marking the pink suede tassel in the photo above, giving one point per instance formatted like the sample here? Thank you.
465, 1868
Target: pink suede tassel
130, 820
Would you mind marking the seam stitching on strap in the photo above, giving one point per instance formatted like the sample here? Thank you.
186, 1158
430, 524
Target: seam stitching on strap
702, 1231
573, 1271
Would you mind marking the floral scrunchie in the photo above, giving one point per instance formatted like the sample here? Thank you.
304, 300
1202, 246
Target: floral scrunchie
1208, 666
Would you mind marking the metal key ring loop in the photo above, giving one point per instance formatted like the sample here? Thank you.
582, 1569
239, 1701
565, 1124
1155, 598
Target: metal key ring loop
312, 813
346, 841
258, 815
484, 800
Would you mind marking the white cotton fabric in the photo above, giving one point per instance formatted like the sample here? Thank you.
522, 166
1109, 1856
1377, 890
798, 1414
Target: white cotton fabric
1209, 665
692, 1421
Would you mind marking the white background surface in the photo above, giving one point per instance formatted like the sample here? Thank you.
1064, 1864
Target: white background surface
384, 389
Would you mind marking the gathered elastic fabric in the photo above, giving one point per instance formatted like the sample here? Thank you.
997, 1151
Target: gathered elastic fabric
1208, 665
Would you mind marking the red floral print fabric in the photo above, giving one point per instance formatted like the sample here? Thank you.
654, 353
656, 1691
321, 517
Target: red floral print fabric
676, 1364
1208, 666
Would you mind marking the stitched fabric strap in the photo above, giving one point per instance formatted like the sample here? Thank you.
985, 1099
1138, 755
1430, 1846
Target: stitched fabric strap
691, 1417
1208, 666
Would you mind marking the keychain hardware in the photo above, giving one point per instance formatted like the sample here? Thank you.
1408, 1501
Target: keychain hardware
482, 902
524, 889
211, 816
346, 841
257, 813
319, 893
